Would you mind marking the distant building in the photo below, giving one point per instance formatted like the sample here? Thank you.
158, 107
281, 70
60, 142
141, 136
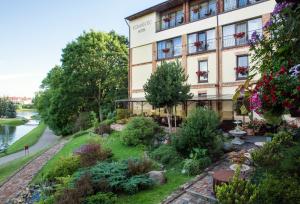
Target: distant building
20, 100
209, 37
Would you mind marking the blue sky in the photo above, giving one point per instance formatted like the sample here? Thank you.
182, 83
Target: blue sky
33, 32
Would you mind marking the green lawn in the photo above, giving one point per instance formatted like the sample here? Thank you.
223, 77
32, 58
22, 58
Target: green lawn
12, 121
29, 139
120, 151
10, 168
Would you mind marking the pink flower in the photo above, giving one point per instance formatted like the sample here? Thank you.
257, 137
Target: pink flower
255, 102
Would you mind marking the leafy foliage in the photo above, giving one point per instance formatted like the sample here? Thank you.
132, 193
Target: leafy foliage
200, 130
166, 154
102, 198
92, 75
197, 162
172, 91
140, 130
7, 108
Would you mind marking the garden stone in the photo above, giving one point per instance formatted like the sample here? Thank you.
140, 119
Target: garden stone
158, 177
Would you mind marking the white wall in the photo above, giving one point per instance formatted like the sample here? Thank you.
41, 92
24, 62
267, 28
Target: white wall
140, 75
142, 54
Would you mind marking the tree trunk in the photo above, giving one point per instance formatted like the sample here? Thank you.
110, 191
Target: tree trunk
169, 118
99, 105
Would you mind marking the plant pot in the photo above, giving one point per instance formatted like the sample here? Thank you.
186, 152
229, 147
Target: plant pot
295, 112
250, 131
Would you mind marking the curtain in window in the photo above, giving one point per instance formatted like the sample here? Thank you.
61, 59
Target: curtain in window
203, 10
194, 16
164, 24
173, 20
202, 39
160, 47
229, 5
241, 28
203, 67
242, 62
179, 17
212, 7
211, 39
177, 46
191, 40
255, 25
228, 39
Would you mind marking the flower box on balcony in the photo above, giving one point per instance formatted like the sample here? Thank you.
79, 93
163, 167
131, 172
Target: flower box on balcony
239, 35
195, 9
201, 73
198, 44
208, 13
167, 19
241, 70
166, 50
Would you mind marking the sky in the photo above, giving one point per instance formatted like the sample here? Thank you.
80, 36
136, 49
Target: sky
33, 33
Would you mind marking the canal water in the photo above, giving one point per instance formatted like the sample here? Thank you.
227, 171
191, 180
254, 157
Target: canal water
10, 134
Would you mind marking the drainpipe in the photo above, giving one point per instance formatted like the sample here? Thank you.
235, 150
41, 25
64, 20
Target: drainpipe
129, 60
218, 51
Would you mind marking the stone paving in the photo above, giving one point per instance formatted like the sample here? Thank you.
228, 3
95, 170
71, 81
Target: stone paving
21, 179
200, 189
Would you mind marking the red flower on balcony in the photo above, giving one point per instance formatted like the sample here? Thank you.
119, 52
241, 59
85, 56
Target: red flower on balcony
167, 19
166, 50
201, 73
198, 44
241, 70
239, 35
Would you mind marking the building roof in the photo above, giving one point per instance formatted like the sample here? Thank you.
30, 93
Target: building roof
157, 8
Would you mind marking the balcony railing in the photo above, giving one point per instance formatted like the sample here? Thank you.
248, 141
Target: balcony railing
197, 13
169, 52
234, 4
201, 46
241, 38
169, 22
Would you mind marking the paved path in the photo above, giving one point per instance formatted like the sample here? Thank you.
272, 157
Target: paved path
47, 139
20, 180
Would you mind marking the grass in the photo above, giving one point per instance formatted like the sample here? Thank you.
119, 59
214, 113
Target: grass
29, 139
13, 121
9, 169
121, 152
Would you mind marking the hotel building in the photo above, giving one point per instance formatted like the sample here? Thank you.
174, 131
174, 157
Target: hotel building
209, 38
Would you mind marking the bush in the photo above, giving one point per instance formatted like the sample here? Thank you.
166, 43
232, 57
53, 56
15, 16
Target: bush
200, 130
103, 129
90, 154
66, 166
102, 198
140, 130
166, 154
82, 122
238, 191
114, 177
122, 114
139, 166
198, 161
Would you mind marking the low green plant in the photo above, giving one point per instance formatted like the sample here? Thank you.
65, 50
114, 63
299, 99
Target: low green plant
238, 191
139, 166
102, 198
66, 166
200, 130
197, 162
166, 155
140, 130
122, 114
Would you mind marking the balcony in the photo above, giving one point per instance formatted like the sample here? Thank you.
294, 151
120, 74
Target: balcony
201, 46
235, 4
170, 21
169, 52
198, 12
241, 38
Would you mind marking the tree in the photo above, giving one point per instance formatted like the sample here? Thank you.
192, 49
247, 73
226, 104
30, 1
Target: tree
167, 87
92, 75
7, 108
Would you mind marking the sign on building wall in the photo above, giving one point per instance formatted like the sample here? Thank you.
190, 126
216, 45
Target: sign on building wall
142, 27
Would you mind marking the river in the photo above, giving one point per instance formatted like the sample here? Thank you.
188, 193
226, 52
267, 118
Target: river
10, 134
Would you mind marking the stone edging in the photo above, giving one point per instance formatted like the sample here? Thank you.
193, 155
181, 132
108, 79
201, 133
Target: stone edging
183, 188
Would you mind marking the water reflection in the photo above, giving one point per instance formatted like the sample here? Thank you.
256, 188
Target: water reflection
10, 134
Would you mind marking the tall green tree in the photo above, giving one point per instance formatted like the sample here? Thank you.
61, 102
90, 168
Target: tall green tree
7, 108
167, 87
92, 75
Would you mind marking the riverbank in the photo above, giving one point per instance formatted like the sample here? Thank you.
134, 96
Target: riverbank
13, 121
29, 139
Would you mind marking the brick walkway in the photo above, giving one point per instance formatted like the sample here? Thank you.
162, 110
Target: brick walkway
20, 180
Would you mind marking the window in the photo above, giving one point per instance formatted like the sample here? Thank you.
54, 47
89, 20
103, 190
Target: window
242, 67
205, 9
240, 33
169, 48
202, 72
234, 4
170, 20
202, 41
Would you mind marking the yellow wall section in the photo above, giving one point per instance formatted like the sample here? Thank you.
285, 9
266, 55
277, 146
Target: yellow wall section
140, 75
142, 54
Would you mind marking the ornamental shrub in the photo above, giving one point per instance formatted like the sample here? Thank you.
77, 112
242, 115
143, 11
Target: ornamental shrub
238, 191
102, 198
66, 166
103, 129
197, 162
140, 130
200, 130
166, 154
139, 166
